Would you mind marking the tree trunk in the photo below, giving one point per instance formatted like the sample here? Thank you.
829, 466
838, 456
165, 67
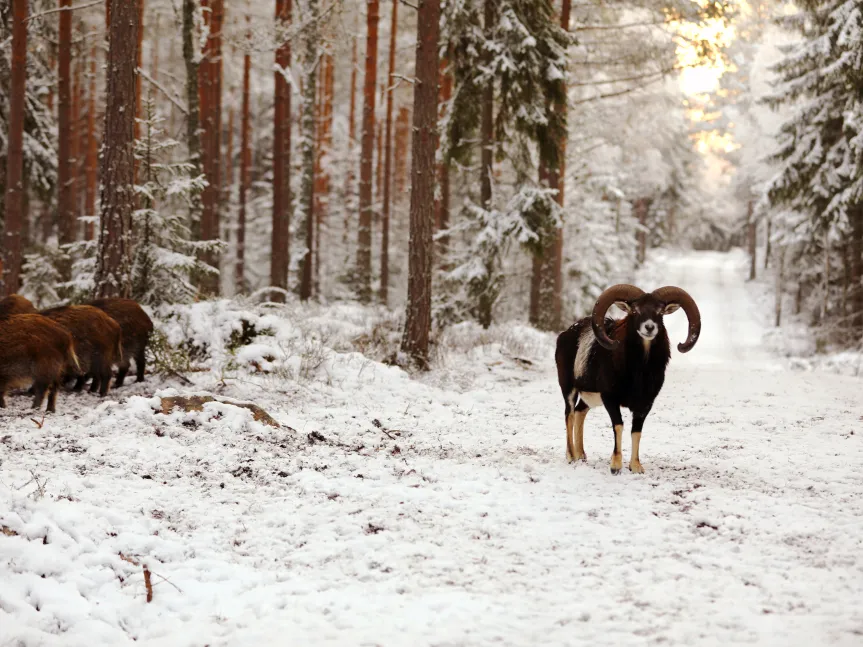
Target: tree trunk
487, 124
752, 225
846, 276
539, 267
402, 154
114, 260
856, 217
307, 188
280, 252
139, 61
193, 136
92, 150
825, 303
425, 136
767, 246
388, 160
14, 198
364, 237
229, 157
324, 144
75, 147
442, 206
557, 180
65, 179
245, 161
352, 132
486, 300
213, 131
780, 280
641, 206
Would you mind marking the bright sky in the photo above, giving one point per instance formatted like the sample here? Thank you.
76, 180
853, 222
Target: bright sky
700, 76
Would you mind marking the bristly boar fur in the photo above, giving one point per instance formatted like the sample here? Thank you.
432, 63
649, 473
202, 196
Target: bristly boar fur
15, 304
36, 351
98, 343
137, 328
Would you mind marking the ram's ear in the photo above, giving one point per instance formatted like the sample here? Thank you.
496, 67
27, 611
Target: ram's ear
623, 305
671, 307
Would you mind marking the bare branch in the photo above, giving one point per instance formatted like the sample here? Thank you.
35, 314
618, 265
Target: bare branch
59, 9
162, 89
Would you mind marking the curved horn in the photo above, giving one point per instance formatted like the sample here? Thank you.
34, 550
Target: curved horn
620, 292
671, 294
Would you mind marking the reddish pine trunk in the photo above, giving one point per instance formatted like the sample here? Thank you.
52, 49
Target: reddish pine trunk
14, 199
280, 250
229, 155
364, 238
388, 159
114, 259
65, 179
75, 150
352, 132
442, 206
323, 115
379, 167
403, 127
418, 310
92, 150
139, 54
245, 163
212, 136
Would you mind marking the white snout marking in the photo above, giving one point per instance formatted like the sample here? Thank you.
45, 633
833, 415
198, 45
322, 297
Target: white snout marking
648, 329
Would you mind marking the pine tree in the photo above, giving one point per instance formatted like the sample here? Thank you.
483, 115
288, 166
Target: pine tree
820, 153
14, 198
415, 341
508, 65
167, 261
388, 157
305, 203
114, 260
65, 180
364, 234
280, 254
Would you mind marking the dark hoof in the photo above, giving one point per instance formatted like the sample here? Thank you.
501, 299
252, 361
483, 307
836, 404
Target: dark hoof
615, 470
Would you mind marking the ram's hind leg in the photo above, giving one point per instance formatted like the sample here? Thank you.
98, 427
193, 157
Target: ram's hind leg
569, 414
578, 424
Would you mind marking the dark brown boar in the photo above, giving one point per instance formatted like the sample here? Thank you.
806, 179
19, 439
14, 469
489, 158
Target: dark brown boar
137, 328
15, 304
34, 351
98, 343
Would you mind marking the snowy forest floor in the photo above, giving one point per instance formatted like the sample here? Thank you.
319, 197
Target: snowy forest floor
439, 509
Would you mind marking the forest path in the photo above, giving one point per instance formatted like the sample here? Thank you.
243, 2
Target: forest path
459, 522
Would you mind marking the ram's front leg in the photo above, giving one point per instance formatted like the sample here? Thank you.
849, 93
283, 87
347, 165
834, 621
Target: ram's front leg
637, 425
613, 408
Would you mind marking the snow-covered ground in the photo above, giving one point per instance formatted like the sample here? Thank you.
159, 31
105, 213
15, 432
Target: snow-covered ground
439, 510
